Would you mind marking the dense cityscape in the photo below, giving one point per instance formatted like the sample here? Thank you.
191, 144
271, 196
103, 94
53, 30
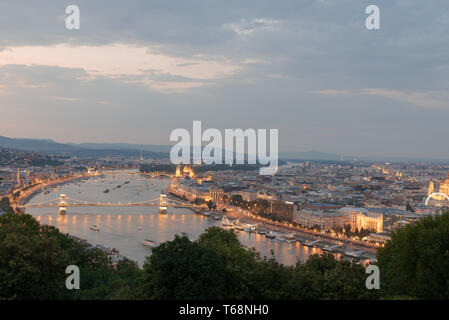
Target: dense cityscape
223, 159
345, 208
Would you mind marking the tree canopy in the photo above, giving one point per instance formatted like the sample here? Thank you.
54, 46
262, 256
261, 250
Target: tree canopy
33, 259
416, 261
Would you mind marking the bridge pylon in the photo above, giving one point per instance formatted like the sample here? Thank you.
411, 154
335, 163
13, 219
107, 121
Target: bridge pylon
62, 204
163, 204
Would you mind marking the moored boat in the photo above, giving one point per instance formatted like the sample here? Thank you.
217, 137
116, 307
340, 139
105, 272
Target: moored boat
149, 243
94, 227
270, 235
226, 223
290, 236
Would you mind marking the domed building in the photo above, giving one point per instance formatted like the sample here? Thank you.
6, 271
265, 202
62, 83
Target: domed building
443, 189
178, 172
444, 186
187, 171
431, 187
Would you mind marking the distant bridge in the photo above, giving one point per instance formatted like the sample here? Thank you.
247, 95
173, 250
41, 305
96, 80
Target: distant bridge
150, 174
436, 194
63, 202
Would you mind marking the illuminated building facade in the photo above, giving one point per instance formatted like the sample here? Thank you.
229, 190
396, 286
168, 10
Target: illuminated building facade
187, 171
325, 220
443, 189
357, 218
360, 218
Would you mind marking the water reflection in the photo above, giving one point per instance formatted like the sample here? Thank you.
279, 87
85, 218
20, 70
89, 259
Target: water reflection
125, 228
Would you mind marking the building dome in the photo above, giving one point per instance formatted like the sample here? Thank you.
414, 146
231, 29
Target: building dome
444, 187
186, 170
431, 187
178, 172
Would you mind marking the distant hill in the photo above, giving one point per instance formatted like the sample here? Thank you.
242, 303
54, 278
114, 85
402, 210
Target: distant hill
123, 146
309, 155
128, 149
102, 149
82, 150
36, 145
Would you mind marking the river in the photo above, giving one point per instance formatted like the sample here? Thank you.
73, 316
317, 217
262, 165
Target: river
124, 228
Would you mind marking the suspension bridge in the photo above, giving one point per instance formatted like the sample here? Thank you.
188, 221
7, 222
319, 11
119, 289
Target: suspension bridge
152, 174
63, 202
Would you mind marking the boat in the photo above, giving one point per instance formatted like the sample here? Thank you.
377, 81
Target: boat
353, 254
149, 243
217, 217
94, 227
270, 235
163, 204
226, 223
311, 243
289, 236
261, 232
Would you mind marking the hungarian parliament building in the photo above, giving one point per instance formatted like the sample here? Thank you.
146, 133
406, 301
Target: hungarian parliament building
441, 193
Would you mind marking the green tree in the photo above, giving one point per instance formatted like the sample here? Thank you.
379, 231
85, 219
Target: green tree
182, 269
239, 264
416, 261
33, 259
211, 205
324, 277
32, 265
237, 200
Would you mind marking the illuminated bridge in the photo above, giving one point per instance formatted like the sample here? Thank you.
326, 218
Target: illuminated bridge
151, 174
63, 202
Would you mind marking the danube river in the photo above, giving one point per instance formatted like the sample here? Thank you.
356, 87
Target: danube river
124, 228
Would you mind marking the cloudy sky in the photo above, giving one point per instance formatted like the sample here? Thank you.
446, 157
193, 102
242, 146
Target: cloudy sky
136, 70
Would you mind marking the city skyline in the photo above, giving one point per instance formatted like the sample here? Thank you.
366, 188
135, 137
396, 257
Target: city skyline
310, 69
223, 156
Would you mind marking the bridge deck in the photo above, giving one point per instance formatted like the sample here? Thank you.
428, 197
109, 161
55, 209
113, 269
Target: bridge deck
107, 205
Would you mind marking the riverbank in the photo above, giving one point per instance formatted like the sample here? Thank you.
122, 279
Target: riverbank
323, 241
26, 193
309, 235
126, 228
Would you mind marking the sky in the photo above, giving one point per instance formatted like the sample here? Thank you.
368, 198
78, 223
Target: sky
136, 70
